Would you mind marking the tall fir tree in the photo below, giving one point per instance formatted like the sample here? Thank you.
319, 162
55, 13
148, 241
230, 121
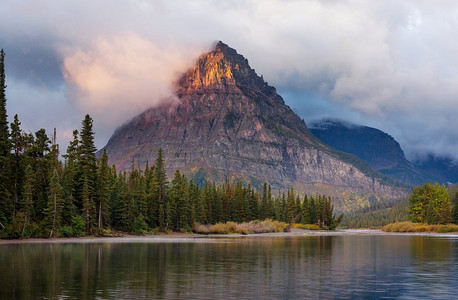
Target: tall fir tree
26, 203
159, 192
69, 180
87, 172
42, 164
55, 201
103, 191
17, 141
88, 207
6, 201
291, 205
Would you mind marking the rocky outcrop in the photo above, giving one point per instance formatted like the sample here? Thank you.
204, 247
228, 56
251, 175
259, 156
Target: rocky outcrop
229, 123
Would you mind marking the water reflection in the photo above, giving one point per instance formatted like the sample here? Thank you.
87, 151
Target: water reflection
255, 267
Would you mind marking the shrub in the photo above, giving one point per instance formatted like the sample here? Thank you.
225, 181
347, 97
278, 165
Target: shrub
298, 226
419, 227
448, 228
312, 227
66, 231
199, 228
219, 228
139, 225
78, 226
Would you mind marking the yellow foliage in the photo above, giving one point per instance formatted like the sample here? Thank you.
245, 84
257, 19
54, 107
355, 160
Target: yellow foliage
419, 227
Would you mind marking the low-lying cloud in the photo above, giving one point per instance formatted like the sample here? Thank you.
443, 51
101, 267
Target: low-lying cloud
119, 77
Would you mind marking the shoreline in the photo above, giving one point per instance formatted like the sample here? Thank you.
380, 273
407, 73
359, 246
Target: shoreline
194, 237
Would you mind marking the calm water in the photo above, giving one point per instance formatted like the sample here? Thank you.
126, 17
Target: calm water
318, 267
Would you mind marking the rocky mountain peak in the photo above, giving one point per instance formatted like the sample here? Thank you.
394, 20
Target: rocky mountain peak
223, 70
229, 123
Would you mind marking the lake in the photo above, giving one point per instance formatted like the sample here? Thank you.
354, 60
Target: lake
291, 267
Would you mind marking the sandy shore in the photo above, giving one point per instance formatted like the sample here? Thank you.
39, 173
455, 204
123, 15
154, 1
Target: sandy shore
191, 237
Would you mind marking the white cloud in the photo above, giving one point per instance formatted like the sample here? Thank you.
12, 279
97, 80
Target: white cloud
121, 76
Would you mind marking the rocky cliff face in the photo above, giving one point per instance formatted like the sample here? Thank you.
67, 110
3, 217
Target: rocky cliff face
380, 150
228, 122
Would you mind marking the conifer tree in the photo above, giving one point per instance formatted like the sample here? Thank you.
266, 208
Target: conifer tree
88, 207
69, 180
87, 162
270, 205
306, 206
179, 198
87, 172
291, 205
55, 200
103, 191
6, 203
313, 211
254, 205
264, 204
26, 204
17, 167
42, 164
159, 191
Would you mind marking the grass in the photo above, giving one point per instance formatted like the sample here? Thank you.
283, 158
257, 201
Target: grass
307, 226
256, 226
419, 227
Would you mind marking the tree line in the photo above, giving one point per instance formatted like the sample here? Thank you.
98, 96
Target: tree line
43, 196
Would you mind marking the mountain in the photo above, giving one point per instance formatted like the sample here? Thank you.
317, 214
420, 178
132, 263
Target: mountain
380, 150
227, 122
444, 169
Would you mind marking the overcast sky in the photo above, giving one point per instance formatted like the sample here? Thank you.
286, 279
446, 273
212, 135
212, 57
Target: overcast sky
392, 65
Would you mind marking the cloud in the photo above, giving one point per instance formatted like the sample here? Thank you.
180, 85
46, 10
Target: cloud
119, 77
387, 64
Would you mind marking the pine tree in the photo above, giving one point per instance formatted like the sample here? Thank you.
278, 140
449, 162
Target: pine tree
254, 205
178, 196
88, 208
55, 201
264, 204
313, 211
69, 180
87, 172
159, 192
42, 165
306, 206
291, 205
270, 203
103, 191
17, 167
6, 203
26, 204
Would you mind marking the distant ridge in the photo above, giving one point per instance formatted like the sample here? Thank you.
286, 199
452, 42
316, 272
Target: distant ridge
380, 150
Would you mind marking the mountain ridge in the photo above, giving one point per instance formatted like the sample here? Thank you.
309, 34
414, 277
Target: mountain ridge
229, 123
380, 150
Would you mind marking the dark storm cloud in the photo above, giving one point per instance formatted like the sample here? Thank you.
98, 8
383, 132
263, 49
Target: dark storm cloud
387, 64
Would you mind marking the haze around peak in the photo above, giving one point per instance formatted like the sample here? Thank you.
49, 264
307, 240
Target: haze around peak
385, 64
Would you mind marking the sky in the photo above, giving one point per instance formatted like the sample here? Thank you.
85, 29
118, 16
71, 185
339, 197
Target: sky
388, 64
